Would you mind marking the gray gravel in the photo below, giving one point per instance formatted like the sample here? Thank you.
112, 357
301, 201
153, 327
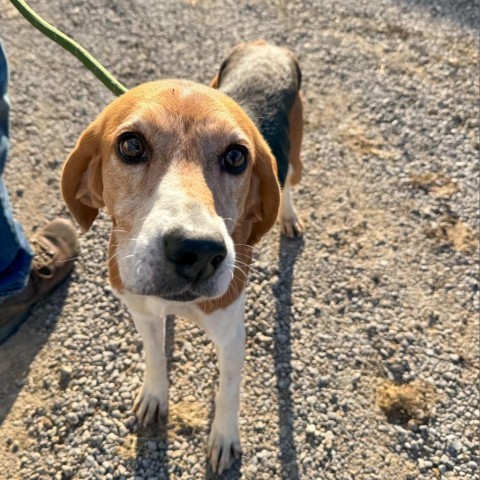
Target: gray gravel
382, 291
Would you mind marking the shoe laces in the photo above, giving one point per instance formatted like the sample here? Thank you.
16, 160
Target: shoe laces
44, 257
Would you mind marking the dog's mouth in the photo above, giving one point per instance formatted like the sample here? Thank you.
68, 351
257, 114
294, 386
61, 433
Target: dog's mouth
187, 294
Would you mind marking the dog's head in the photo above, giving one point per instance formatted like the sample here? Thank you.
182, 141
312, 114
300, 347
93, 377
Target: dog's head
185, 176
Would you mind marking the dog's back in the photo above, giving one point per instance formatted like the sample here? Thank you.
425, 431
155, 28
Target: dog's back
264, 80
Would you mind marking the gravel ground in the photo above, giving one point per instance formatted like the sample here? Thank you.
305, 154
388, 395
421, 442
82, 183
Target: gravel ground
362, 349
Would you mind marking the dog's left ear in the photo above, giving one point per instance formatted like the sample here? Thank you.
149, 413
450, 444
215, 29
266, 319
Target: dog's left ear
263, 199
81, 183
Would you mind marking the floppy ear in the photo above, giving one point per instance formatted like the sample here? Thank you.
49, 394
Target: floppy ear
216, 79
81, 183
263, 200
214, 82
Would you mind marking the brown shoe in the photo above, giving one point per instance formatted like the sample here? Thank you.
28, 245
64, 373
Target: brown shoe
55, 247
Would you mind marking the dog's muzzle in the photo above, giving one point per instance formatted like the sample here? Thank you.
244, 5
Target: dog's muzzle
194, 258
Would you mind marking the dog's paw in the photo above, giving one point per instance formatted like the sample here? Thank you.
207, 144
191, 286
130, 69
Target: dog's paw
223, 448
151, 403
291, 226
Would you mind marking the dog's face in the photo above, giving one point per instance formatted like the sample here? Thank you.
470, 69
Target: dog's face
185, 175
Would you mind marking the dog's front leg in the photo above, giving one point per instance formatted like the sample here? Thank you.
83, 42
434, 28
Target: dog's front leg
151, 402
226, 329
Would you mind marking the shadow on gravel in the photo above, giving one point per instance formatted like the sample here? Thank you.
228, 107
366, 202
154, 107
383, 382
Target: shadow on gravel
19, 351
152, 441
233, 473
464, 13
289, 252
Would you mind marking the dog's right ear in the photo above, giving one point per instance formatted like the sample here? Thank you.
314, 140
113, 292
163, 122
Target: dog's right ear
216, 79
214, 82
81, 183
232, 57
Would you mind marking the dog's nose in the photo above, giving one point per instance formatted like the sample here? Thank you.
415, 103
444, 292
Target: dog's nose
195, 258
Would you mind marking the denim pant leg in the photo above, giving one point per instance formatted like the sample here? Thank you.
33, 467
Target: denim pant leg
15, 253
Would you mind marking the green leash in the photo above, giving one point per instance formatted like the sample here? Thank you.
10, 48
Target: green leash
73, 47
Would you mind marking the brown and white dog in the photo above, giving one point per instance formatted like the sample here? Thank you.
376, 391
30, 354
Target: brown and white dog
191, 185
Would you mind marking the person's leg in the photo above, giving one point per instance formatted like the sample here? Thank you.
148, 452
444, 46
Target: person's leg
26, 274
15, 253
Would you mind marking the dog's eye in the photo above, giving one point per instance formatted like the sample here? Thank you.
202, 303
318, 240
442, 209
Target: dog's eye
131, 148
234, 160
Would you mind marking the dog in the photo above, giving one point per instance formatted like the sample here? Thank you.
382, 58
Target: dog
188, 177
265, 81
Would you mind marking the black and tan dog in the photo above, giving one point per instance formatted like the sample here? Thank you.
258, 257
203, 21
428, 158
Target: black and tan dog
265, 81
191, 185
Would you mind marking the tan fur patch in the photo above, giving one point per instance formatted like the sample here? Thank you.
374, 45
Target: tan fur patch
193, 183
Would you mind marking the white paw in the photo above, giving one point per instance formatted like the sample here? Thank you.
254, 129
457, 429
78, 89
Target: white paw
223, 447
291, 226
151, 402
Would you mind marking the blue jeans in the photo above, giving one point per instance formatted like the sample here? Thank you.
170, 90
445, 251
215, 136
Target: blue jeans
15, 252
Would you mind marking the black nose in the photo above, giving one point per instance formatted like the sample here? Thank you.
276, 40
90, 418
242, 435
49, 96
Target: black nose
195, 258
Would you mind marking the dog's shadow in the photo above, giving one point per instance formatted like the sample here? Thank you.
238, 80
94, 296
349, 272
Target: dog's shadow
233, 473
282, 354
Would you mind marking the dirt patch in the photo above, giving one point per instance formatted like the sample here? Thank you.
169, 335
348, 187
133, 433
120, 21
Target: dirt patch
334, 106
357, 140
452, 232
184, 419
401, 61
437, 184
402, 403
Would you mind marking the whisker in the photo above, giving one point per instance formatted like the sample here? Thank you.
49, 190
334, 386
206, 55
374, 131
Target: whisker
76, 257
238, 269
234, 270
253, 247
245, 256
233, 283
249, 267
115, 254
